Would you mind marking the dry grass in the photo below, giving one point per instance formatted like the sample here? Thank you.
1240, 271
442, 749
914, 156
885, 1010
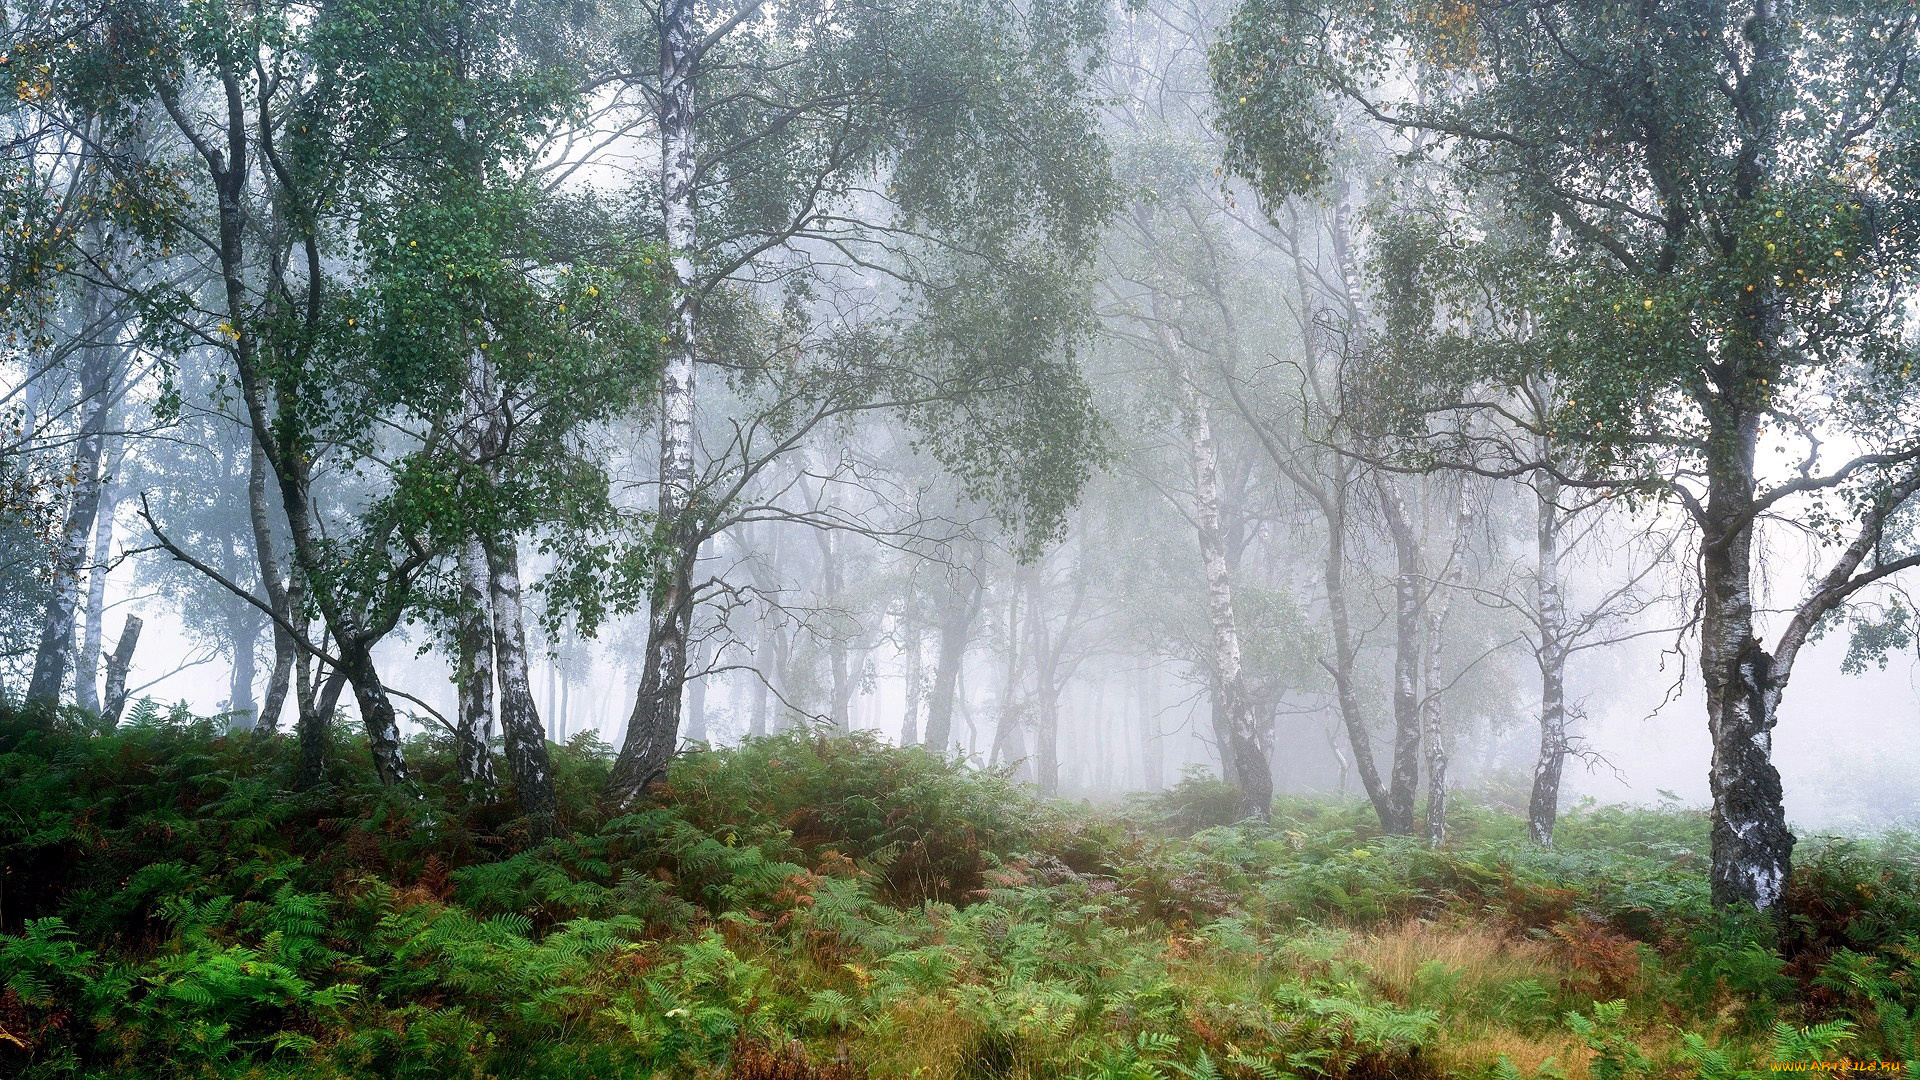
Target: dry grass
923, 1038
1480, 956
1469, 1052
1482, 963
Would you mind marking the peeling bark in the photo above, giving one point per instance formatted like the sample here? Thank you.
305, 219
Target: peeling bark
53, 658
1543, 808
1407, 604
654, 725
473, 669
1234, 716
525, 740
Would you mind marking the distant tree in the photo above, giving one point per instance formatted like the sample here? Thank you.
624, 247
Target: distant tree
939, 154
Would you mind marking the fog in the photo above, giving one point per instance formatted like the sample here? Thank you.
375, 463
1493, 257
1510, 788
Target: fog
1110, 421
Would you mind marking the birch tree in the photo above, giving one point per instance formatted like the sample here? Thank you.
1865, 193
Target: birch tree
1720, 291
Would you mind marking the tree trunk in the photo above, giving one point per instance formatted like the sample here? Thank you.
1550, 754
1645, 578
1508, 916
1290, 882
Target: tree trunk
314, 726
525, 740
955, 625
1438, 608
1234, 718
1153, 755
285, 649
1543, 809
910, 723
244, 628
51, 660
654, 725
1008, 741
376, 713
473, 669
1752, 847
1406, 660
117, 667
762, 696
86, 666
840, 693
696, 728
1046, 691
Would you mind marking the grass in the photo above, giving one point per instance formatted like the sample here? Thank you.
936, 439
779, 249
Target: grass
811, 908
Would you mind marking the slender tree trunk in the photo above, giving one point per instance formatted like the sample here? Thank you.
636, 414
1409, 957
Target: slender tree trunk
86, 666
244, 628
841, 694
1153, 756
1046, 691
696, 728
51, 660
1406, 660
1438, 608
525, 740
655, 723
769, 655
1008, 745
956, 624
910, 723
1234, 720
762, 696
285, 649
1543, 809
473, 669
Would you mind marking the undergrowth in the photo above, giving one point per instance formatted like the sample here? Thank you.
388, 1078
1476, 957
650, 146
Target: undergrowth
814, 908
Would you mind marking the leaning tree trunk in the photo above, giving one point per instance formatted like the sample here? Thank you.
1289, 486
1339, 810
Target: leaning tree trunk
956, 624
376, 713
280, 595
526, 740
51, 660
473, 669
654, 725
117, 667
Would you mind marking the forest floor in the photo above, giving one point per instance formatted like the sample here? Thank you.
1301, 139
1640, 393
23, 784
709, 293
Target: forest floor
835, 908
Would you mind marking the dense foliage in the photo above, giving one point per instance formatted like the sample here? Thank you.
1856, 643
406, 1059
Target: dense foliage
807, 906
